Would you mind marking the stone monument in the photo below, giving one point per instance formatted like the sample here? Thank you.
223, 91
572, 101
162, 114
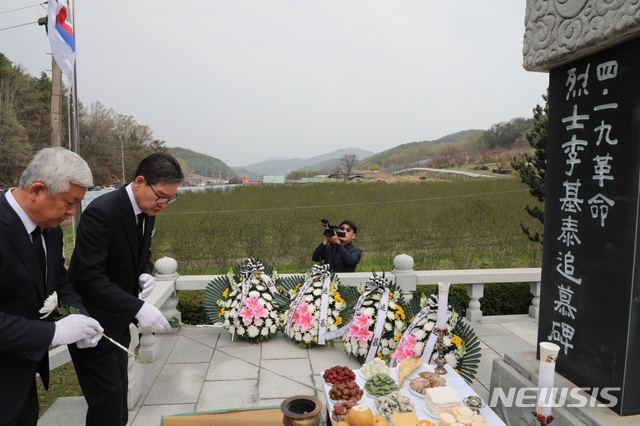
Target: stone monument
590, 288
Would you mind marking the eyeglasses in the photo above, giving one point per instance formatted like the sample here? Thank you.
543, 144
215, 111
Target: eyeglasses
162, 200
344, 228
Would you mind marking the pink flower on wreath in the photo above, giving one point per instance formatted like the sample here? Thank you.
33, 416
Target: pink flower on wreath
362, 334
305, 321
302, 308
246, 313
252, 302
259, 312
361, 321
406, 349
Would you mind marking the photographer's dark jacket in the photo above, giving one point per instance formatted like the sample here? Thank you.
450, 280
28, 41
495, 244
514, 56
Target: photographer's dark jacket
341, 258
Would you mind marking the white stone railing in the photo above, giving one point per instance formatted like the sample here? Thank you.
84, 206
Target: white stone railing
169, 283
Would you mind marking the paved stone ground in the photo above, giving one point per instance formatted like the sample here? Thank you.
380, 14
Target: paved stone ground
200, 369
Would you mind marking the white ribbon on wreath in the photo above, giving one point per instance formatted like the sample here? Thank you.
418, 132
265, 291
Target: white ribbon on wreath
317, 272
250, 268
374, 284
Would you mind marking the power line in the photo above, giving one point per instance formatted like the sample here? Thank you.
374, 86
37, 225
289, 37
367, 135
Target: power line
16, 26
22, 8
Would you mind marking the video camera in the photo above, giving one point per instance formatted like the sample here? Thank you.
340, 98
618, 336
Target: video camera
330, 229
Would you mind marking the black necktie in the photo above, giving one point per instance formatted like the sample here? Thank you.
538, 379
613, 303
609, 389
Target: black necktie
141, 219
37, 245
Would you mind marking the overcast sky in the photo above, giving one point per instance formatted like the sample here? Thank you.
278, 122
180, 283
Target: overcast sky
245, 81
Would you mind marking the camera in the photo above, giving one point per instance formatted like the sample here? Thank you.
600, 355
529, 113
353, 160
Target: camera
331, 229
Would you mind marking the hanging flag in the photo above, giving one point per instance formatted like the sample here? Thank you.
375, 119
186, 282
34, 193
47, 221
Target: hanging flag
61, 38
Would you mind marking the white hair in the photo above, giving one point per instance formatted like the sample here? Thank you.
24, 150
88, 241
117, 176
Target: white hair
57, 168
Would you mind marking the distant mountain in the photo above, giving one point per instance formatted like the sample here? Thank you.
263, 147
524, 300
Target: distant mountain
282, 167
203, 164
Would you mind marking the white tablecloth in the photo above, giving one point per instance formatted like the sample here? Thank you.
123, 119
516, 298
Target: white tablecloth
453, 379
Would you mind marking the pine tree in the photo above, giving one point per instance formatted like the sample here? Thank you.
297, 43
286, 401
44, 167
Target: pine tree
532, 170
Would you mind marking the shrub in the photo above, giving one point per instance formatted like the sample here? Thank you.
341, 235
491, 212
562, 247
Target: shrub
499, 299
191, 305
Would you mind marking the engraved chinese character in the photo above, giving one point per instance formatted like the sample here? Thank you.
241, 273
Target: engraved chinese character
571, 202
607, 70
574, 119
600, 207
569, 234
563, 306
605, 128
602, 168
573, 78
565, 267
563, 335
571, 148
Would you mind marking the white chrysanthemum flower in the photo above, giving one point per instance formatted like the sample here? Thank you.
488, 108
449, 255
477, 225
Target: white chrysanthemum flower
451, 359
362, 351
253, 331
240, 331
312, 308
419, 347
297, 336
317, 292
267, 297
264, 331
387, 326
347, 347
254, 293
391, 315
317, 302
446, 340
336, 313
226, 323
363, 344
386, 352
273, 329
50, 305
429, 326
332, 327
384, 342
307, 338
433, 316
258, 322
268, 322
369, 312
308, 298
261, 287
399, 325
419, 333
273, 314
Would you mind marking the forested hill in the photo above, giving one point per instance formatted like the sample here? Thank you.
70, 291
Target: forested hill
204, 165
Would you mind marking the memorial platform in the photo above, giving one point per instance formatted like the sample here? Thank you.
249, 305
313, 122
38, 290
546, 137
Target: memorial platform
200, 369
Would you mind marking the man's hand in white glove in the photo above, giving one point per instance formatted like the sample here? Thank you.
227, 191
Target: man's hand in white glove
75, 328
151, 319
147, 284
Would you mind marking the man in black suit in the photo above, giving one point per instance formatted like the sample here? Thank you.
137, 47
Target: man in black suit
30, 216
110, 265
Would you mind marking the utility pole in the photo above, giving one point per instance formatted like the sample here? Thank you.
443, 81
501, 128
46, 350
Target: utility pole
56, 103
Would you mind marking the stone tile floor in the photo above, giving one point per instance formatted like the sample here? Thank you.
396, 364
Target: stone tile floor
200, 369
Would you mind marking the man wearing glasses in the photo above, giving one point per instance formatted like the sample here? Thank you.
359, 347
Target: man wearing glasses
338, 251
111, 270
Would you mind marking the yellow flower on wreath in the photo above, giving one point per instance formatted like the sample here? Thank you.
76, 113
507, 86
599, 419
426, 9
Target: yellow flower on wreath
221, 313
338, 321
399, 314
225, 293
456, 340
337, 298
398, 336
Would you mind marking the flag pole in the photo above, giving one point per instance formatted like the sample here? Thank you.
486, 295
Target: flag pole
75, 128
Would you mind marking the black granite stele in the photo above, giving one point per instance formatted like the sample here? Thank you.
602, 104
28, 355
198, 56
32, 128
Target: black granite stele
589, 302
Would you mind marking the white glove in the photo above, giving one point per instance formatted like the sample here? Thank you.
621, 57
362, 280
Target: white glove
151, 319
147, 284
74, 328
89, 342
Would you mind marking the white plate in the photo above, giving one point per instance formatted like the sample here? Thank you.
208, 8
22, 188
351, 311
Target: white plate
421, 395
427, 410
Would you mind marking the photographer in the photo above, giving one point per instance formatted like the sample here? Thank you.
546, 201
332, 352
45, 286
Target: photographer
336, 248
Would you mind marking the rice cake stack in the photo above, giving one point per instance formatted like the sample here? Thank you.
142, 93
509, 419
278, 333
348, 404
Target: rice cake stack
441, 400
404, 419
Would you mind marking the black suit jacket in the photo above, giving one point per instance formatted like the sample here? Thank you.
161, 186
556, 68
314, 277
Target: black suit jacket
24, 337
106, 263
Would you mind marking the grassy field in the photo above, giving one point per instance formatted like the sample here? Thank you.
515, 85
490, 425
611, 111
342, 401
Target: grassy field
457, 224
443, 224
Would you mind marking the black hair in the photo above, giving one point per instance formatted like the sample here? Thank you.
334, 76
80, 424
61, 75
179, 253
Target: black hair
351, 225
160, 167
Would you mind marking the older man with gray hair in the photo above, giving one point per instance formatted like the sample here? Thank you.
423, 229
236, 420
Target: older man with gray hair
31, 269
